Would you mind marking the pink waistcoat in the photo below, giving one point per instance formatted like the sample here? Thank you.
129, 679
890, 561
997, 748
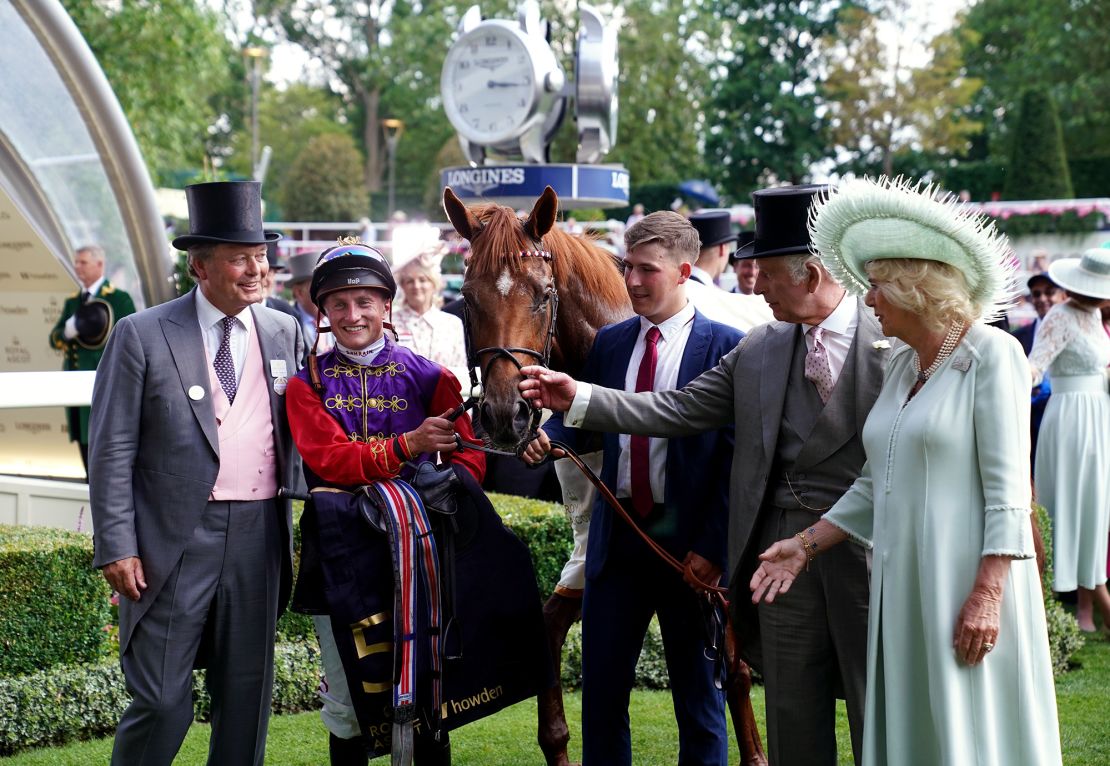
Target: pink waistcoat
248, 466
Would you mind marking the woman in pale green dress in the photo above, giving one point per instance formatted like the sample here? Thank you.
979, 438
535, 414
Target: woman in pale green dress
959, 670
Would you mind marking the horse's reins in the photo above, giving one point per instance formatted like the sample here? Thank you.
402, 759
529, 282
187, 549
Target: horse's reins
473, 359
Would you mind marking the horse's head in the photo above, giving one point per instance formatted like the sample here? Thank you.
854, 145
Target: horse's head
511, 304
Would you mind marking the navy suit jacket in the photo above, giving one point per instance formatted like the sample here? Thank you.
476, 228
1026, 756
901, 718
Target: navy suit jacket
697, 473
1025, 335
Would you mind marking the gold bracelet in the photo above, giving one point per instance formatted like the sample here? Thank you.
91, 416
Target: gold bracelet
808, 546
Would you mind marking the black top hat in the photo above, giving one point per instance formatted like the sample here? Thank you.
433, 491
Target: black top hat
742, 240
93, 320
781, 217
225, 211
301, 266
713, 227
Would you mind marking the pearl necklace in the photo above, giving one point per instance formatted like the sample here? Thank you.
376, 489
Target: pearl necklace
946, 349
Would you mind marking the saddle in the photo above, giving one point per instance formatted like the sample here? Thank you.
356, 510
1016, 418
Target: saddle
469, 639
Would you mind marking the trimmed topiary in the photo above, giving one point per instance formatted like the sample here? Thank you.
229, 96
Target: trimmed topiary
1038, 163
56, 606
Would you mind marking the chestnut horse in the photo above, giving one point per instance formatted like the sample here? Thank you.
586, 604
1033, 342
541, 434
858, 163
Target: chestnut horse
534, 294
529, 287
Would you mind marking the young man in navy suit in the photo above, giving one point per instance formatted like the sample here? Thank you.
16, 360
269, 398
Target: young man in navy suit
676, 489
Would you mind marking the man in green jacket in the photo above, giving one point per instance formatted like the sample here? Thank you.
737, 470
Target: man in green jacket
83, 328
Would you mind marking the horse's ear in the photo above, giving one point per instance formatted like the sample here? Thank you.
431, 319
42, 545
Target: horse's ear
459, 214
542, 217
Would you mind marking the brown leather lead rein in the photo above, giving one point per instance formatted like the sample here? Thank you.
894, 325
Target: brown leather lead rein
715, 590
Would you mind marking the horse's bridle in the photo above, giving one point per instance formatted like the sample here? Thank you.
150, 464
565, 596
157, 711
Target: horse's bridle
474, 358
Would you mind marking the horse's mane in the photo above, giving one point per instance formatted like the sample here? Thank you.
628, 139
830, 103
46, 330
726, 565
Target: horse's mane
502, 239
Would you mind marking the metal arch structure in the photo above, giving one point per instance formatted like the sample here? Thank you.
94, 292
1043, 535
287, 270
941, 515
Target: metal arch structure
71, 174
111, 135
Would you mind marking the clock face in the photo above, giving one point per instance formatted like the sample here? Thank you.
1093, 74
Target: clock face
489, 84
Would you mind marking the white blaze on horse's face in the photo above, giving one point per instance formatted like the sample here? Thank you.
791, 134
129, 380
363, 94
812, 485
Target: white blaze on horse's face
505, 283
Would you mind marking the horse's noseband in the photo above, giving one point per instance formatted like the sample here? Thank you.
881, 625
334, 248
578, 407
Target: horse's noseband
474, 358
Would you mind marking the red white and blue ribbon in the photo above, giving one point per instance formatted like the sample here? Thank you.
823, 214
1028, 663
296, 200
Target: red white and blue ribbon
416, 560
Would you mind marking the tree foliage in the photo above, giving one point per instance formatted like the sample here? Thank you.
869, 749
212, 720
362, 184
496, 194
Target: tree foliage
1060, 45
168, 63
663, 89
882, 110
1039, 168
320, 186
763, 118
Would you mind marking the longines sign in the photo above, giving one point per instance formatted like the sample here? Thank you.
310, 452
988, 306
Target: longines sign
578, 186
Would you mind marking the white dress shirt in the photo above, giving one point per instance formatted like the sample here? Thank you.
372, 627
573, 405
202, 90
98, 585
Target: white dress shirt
674, 333
701, 276
839, 329
211, 319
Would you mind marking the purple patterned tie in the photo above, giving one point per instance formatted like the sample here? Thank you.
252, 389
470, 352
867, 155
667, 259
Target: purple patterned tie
225, 367
817, 366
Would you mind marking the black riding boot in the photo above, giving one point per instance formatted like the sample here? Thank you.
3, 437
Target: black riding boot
347, 752
428, 752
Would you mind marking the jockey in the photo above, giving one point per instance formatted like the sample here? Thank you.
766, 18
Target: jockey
365, 412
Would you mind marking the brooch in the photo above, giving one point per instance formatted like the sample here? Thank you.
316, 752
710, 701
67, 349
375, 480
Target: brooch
881, 345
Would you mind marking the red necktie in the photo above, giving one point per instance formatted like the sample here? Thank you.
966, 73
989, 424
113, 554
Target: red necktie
642, 500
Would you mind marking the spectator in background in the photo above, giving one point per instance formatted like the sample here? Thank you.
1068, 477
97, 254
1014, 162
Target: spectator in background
1072, 473
637, 214
419, 323
271, 301
716, 234
1043, 294
300, 279
746, 269
82, 330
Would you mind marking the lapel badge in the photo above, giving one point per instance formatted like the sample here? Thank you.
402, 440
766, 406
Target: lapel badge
280, 383
963, 363
278, 369
196, 393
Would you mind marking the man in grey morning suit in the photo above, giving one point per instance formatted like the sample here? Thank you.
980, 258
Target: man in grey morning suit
189, 445
799, 390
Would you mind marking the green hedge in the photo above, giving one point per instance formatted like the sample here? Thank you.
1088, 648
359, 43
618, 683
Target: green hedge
1064, 638
78, 702
544, 528
55, 605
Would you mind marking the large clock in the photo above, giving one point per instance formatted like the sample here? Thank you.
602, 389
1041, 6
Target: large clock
500, 85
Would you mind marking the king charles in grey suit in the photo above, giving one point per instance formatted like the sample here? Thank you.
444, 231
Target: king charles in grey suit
798, 399
189, 447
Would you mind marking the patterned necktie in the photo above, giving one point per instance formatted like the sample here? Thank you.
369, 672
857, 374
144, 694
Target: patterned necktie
642, 499
225, 367
817, 366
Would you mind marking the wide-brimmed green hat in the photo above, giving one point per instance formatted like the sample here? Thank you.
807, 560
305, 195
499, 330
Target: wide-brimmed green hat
864, 220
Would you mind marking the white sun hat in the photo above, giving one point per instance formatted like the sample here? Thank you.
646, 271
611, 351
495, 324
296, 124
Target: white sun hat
1088, 275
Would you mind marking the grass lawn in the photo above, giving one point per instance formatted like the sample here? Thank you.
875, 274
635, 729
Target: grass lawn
508, 738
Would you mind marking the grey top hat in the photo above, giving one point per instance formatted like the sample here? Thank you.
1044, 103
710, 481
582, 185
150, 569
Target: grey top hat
225, 212
301, 266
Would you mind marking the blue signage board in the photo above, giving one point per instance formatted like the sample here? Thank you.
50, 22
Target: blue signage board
518, 186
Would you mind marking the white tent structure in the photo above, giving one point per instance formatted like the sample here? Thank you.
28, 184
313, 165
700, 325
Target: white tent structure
70, 175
